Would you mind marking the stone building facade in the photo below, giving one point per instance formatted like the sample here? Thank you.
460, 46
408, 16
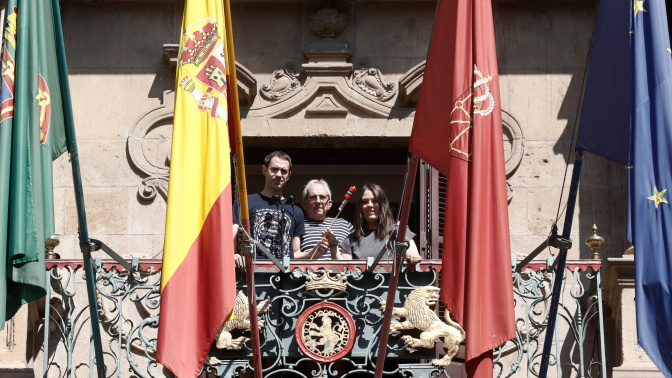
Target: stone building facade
334, 83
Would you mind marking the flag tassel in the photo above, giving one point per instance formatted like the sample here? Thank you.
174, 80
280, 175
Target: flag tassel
85, 243
560, 263
398, 259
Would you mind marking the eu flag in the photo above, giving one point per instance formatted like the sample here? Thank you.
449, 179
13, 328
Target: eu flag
648, 143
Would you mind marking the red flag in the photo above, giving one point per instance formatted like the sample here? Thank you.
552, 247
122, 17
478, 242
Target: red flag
458, 130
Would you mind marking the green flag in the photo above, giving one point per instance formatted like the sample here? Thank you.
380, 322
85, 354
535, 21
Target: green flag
32, 135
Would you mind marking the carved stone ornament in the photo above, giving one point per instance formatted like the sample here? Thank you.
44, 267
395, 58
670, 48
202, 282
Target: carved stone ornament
327, 23
151, 156
241, 320
371, 82
283, 82
418, 314
325, 332
515, 148
326, 282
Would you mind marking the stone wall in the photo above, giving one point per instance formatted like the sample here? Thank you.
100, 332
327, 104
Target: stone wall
300, 90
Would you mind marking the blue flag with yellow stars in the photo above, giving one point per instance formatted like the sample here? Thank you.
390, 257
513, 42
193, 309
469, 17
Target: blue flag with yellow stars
627, 114
650, 178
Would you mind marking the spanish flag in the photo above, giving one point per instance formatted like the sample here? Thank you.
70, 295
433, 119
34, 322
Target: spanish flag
198, 279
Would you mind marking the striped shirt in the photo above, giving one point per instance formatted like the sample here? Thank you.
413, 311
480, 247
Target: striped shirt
341, 229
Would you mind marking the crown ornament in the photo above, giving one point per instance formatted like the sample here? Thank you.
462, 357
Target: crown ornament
198, 40
325, 281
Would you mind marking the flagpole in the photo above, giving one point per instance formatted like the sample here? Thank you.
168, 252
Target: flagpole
85, 243
242, 194
398, 259
560, 263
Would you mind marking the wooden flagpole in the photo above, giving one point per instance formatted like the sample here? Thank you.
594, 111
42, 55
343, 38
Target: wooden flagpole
234, 116
398, 259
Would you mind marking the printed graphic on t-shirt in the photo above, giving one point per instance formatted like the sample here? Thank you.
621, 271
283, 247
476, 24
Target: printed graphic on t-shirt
268, 230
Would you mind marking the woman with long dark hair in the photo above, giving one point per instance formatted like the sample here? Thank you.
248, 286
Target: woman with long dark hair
372, 223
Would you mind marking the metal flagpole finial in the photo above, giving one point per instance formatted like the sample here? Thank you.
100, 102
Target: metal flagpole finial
595, 241
50, 245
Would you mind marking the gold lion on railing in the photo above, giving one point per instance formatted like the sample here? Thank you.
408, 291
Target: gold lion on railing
419, 315
241, 320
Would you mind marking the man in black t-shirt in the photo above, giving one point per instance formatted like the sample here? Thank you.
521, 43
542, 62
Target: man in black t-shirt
273, 221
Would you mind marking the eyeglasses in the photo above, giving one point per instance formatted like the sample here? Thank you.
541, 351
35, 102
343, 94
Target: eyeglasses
318, 198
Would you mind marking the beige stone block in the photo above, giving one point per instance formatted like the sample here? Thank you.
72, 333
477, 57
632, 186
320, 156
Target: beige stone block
398, 127
528, 103
326, 125
59, 210
522, 245
543, 209
115, 44
277, 31
518, 207
367, 127
68, 247
157, 246
13, 347
127, 246
543, 164
62, 171
146, 217
564, 94
104, 164
288, 127
108, 106
255, 127
106, 211
393, 30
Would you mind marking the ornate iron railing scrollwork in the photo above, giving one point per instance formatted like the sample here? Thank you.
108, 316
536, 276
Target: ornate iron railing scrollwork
129, 312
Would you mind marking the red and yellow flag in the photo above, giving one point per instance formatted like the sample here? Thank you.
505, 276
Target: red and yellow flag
197, 283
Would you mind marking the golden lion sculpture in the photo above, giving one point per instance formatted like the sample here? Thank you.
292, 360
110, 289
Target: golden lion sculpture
241, 320
418, 313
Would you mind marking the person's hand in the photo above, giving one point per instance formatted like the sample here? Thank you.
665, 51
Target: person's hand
412, 256
321, 248
329, 236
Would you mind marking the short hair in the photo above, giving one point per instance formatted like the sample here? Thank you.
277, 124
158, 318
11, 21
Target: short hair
279, 155
304, 194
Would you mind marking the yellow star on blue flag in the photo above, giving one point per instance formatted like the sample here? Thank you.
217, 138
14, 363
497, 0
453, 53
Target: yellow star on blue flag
638, 6
658, 197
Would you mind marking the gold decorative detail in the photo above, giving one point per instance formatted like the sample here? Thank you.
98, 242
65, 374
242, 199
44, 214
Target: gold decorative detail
595, 242
338, 283
50, 245
419, 315
329, 337
484, 104
241, 320
638, 6
658, 197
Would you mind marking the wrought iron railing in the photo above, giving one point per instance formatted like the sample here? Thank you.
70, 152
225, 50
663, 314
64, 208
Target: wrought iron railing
129, 312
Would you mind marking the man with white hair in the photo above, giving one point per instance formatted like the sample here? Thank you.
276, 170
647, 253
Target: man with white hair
321, 242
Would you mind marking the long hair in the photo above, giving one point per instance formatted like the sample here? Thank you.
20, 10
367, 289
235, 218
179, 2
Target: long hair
385, 219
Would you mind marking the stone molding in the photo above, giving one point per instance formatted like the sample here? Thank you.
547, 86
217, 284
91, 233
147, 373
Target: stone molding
410, 83
247, 83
